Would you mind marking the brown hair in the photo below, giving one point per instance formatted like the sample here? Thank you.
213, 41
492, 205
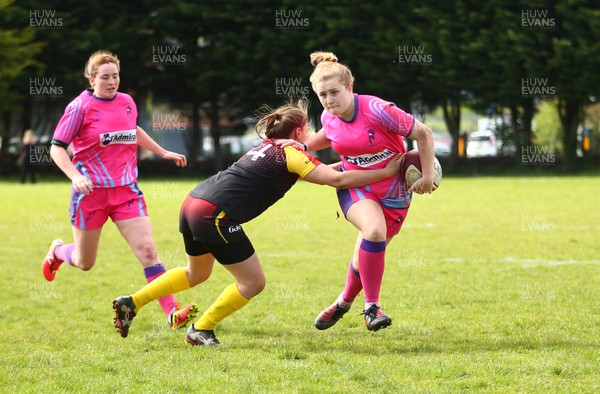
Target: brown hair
327, 66
97, 59
281, 122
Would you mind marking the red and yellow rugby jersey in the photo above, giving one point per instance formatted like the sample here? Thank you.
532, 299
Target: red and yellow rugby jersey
256, 181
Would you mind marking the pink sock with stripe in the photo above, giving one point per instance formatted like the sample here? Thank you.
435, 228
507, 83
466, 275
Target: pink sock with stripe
353, 284
65, 253
371, 261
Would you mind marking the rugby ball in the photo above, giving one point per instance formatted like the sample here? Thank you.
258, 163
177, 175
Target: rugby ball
411, 169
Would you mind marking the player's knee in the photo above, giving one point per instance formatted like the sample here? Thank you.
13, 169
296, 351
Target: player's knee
260, 284
256, 285
147, 253
197, 278
86, 265
374, 233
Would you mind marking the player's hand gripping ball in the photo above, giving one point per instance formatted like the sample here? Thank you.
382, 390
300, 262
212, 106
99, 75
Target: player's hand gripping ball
411, 169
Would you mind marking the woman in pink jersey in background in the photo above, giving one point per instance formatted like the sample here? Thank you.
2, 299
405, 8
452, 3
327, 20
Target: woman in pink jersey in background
101, 126
366, 132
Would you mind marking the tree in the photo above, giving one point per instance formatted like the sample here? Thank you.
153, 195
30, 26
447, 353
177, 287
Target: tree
500, 55
444, 31
228, 60
573, 67
18, 52
533, 54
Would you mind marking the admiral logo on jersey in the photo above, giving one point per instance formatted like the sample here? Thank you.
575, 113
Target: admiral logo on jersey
370, 159
118, 137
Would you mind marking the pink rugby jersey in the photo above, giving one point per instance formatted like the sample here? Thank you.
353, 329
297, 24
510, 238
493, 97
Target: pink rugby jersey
371, 138
103, 134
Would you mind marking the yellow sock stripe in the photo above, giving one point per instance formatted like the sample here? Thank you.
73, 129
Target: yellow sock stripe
220, 216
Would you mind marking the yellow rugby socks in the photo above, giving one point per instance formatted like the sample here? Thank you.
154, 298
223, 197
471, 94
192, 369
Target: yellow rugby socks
172, 281
228, 302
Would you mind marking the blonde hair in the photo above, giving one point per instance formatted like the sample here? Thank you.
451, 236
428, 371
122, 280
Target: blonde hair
281, 122
97, 59
327, 66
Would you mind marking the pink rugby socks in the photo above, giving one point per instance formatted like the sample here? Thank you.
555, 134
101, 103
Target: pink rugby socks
371, 261
65, 253
353, 286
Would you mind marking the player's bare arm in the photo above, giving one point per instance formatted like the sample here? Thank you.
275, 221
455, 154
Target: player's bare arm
336, 166
316, 141
146, 142
325, 175
81, 184
425, 143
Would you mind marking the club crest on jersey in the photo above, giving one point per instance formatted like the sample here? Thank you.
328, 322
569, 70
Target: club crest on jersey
371, 134
370, 160
118, 137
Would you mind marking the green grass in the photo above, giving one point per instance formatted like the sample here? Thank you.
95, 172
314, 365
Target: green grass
493, 286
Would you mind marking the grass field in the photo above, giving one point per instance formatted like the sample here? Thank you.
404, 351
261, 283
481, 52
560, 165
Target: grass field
493, 286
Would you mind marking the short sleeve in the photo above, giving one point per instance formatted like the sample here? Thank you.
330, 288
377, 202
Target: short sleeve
298, 162
391, 118
70, 123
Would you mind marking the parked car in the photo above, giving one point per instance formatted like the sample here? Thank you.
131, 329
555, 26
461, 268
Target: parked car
14, 146
482, 143
442, 145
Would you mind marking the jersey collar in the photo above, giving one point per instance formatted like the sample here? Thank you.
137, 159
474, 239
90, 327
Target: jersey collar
91, 93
